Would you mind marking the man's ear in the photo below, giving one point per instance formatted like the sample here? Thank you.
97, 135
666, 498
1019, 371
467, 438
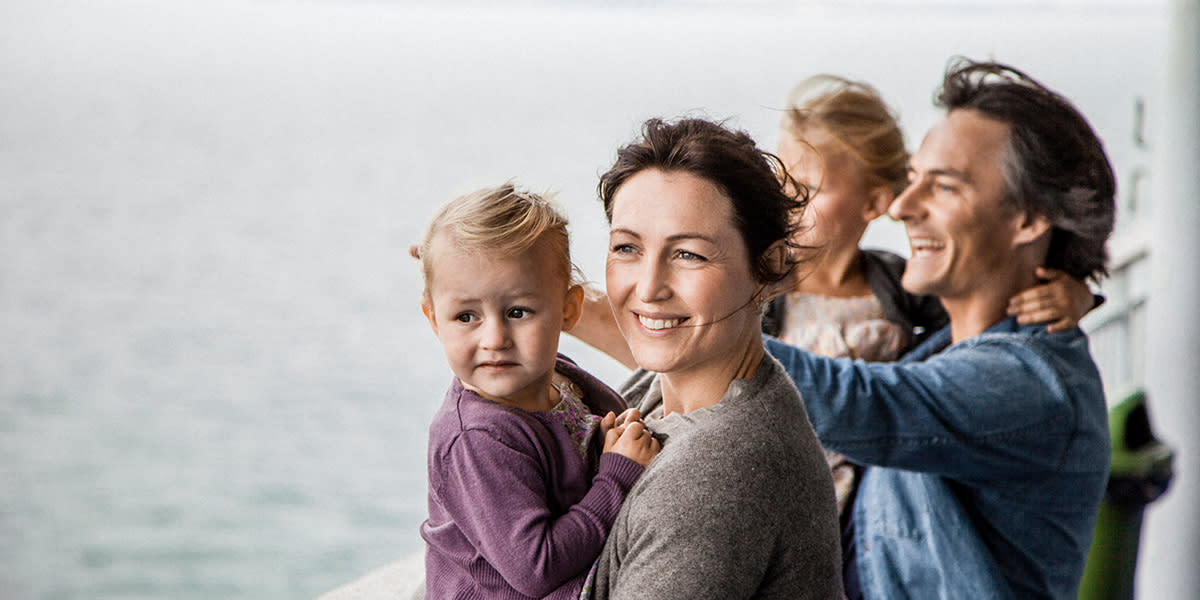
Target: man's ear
878, 201
572, 307
427, 308
1031, 226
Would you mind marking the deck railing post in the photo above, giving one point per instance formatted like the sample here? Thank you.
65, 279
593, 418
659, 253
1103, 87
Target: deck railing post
1167, 565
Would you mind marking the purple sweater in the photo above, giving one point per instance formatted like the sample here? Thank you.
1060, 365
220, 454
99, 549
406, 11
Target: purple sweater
514, 510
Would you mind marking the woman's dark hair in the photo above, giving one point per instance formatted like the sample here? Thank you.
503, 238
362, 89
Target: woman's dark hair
756, 181
1055, 165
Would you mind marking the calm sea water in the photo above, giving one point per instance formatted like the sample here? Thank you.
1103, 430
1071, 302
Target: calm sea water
214, 378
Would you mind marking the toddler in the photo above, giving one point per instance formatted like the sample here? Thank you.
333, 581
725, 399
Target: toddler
528, 461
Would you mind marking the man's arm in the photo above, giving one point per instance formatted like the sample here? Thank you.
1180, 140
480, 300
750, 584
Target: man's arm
960, 413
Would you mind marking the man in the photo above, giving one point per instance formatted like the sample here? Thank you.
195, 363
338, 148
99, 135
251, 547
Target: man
987, 445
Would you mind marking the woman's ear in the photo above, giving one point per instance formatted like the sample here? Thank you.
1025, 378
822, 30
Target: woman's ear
878, 201
776, 259
572, 307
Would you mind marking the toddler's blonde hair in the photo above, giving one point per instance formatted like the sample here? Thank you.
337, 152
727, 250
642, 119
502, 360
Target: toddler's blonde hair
499, 221
854, 114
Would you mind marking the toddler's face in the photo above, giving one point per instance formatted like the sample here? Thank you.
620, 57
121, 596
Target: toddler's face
840, 196
499, 320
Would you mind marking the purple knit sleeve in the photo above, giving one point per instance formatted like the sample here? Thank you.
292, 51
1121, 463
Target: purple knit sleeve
496, 495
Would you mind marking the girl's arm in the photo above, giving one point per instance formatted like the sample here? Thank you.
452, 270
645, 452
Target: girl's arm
1062, 301
496, 495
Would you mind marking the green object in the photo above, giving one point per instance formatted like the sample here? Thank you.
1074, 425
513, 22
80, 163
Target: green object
1141, 472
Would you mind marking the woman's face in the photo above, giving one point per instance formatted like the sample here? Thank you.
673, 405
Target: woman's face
840, 198
678, 274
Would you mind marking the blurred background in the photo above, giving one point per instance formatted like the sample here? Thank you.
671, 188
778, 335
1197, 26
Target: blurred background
215, 380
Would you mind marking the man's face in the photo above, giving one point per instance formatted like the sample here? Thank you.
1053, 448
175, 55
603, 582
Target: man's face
960, 226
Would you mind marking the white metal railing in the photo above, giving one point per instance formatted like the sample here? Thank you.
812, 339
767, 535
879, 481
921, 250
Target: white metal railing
1118, 328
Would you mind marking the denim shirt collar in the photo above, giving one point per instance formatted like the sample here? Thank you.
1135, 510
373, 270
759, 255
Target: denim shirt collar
941, 339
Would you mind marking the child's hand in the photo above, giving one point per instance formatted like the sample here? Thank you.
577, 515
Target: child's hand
628, 416
633, 441
613, 420
1062, 301
606, 424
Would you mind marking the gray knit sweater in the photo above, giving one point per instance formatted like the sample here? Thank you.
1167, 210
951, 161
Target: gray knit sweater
739, 504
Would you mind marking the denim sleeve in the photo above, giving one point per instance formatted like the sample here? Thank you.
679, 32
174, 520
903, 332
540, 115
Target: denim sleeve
988, 407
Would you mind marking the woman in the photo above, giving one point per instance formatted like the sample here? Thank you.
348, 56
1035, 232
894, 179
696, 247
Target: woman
740, 503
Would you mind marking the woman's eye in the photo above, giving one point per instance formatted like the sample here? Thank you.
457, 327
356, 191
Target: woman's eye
685, 255
465, 318
622, 249
519, 313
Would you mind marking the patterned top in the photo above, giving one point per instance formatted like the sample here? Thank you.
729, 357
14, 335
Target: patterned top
841, 327
574, 415
581, 424
853, 327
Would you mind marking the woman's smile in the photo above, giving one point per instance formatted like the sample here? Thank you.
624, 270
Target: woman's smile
659, 323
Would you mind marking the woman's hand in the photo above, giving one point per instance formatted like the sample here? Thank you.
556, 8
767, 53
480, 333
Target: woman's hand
1062, 301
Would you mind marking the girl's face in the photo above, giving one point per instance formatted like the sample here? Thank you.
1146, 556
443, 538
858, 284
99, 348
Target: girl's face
841, 202
678, 275
499, 319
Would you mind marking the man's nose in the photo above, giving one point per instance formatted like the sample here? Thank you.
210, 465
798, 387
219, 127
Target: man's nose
907, 204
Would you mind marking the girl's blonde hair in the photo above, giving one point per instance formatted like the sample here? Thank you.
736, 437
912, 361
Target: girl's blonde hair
499, 221
854, 114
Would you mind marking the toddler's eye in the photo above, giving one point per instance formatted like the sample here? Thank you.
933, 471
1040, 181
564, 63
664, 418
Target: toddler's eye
465, 318
519, 313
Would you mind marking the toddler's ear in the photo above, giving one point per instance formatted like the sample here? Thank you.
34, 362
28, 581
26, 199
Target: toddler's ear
572, 307
878, 202
427, 308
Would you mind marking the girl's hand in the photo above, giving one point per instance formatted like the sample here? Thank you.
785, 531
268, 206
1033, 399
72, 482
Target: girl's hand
1061, 301
606, 424
629, 416
633, 441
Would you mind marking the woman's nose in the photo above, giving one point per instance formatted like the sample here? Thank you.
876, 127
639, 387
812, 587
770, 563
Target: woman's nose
652, 284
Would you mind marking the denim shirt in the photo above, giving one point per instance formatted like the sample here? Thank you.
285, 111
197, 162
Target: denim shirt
988, 460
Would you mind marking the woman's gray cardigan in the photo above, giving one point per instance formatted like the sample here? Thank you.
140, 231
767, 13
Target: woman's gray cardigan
739, 504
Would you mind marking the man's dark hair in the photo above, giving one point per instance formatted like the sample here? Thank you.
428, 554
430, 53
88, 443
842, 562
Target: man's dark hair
1055, 165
